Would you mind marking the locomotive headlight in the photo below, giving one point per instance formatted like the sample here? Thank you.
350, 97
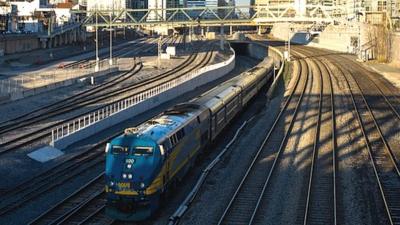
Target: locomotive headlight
128, 165
129, 176
124, 175
107, 147
142, 185
111, 183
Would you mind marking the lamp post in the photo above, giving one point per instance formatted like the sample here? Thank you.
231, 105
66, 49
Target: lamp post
111, 62
159, 51
289, 33
96, 68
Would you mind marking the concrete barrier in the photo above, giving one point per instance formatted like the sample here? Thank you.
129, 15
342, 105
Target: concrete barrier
204, 76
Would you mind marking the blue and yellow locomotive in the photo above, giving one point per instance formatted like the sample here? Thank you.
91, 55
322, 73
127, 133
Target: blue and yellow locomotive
146, 160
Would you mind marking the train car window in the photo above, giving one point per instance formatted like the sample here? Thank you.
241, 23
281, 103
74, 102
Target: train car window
180, 134
143, 151
174, 140
171, 139
115, 149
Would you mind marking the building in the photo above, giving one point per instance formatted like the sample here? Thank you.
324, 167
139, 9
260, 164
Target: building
5, 15
107, 4
164, 4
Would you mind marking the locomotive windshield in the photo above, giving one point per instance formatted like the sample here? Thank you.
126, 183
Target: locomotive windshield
142, 151
139, 151
115, 149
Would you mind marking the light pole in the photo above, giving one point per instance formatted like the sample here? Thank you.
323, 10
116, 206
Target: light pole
290, 31
111, 62
96, 68
159, 51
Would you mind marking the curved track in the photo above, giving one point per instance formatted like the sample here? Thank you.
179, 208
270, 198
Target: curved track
62, 173
85, 99
309, 152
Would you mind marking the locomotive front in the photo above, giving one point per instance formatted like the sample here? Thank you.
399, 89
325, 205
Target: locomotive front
132, 187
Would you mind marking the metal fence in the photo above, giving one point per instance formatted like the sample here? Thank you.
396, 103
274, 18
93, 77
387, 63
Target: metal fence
25, 82
103, 113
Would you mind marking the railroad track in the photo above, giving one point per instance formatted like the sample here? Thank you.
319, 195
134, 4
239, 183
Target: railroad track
88, 200
368, 108
320, 205
243, 205
82, 63
119, 50
384, 165
31, 115
45, 182
75, 103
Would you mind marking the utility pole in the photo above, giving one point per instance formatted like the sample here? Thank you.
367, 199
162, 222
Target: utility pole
96, 68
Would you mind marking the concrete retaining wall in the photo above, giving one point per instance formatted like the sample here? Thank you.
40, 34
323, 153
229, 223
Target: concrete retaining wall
257, 50
281, 31
148, 104
253, 49
395, 49
19, 43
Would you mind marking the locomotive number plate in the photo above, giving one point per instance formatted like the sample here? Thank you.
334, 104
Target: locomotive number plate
123, 185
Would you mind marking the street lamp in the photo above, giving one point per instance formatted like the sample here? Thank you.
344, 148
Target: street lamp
289, 33
96, 68
111, 62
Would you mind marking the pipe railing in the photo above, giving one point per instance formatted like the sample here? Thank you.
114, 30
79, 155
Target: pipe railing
105, 112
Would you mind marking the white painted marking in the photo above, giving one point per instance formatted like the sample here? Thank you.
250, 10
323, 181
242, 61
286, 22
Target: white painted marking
45, 154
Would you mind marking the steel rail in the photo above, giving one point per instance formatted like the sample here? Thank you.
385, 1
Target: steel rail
386, 178
384, 141
315, 147
280, 149
77, 214
393, 111
258, 153
313, 215
98, 217
333, 132
334, 143
57, 212
80, 62
87, 59
46, 186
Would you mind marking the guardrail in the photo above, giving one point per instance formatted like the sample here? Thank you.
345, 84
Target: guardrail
103, 113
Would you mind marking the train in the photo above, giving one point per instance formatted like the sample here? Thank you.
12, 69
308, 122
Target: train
146, 161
